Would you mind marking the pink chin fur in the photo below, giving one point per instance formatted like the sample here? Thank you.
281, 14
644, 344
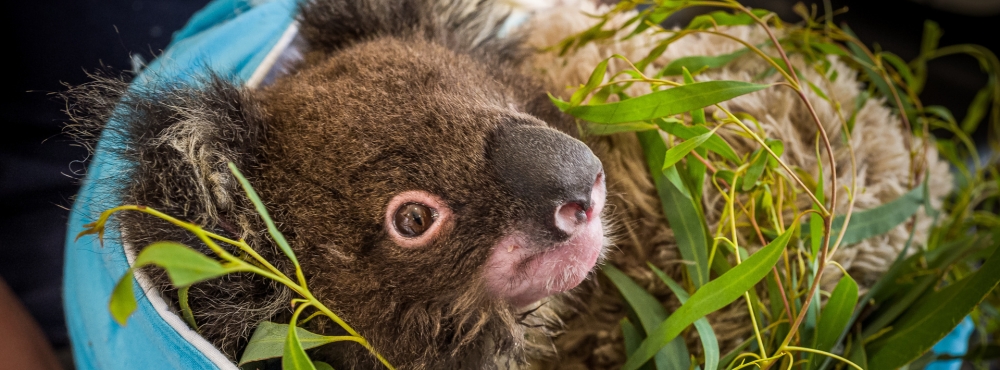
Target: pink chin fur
524, 274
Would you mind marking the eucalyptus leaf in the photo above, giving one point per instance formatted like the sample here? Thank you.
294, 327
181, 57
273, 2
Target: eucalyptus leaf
678, 152
294, 356
122, 302
697, 115
268, 341
858, 355
646, 307
757, 164
714, 143
876, 77
828, 48
978, 108
900, 66
665, 103
723, 18
928, 45
836, 314
259, 206
182, 299
712, 296
184, 265
934, 316
709, 342
650, 313
879, 220
680, 210
631, 335
599, 129
320, 365
596, 77
699, 62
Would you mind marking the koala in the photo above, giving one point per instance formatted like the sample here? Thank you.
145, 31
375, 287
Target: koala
423, 178
436, 199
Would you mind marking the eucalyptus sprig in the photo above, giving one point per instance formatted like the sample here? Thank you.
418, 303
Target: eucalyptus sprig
186, 266
900, 317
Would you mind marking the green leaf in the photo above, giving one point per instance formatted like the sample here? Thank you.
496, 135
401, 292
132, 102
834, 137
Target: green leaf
294, 356
664, 103
912, 279
268, 341
697, 115
681, 150
978, 108
715, 143
631, 335
836, 314
559, 103
320, 365
900, 66
184, 265
271, 228
880, 286
680, 210
928, 46
708, 339
647, 308
858, 355
879, 220
696, 171
712, 296
123, 302
759, 160
874, 76
776, 146
828, 49
934, 316
699, 62
182, 298
600, 129
816, 90
724, 18
650, 313
595, 80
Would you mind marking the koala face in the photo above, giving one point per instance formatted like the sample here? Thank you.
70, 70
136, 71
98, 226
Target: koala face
405, 154
418, 173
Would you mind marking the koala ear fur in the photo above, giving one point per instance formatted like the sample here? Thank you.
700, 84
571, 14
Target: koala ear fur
176, 140
462, 25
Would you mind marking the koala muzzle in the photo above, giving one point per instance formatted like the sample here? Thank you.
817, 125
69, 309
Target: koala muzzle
553, 174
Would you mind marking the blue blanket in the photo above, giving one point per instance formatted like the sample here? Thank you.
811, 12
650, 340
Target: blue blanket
228, 37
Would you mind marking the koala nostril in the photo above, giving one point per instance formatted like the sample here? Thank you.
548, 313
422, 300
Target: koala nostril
569, 216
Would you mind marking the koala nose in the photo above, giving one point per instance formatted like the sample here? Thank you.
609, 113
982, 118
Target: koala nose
554, 174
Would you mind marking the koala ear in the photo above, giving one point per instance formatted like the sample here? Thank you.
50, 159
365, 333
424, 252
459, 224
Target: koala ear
175, 141
469, 26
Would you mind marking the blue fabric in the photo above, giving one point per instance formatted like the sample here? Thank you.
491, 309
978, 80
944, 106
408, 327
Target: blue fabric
231, 38
955, 343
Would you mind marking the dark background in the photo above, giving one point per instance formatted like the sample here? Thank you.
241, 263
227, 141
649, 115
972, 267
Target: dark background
55, 42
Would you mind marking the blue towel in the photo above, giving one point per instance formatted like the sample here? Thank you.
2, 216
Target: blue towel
228, 37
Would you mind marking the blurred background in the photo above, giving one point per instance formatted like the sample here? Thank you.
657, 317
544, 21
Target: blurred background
52, 43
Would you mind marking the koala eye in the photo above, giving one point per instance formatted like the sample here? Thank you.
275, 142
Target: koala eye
413, 219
